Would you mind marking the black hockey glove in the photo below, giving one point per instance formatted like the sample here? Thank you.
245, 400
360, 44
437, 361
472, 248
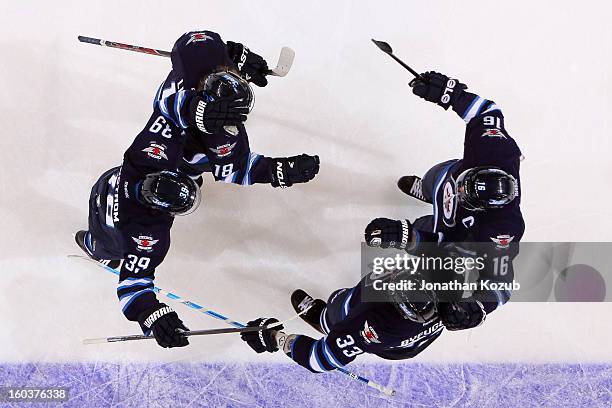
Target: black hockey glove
210, 114
461, 315
164, 323
287, 171
437, 88
386, 233
252, 66
263, 340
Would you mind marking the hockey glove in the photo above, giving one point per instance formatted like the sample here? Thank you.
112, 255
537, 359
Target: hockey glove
165, 325
252, 66
461, 315
437, 88
263, 340
386, 233
287, 171
210, 114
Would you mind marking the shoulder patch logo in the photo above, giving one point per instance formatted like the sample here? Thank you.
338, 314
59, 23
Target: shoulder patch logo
223, 150
156, 151
494, 133
198, 37
369, 334
145, 243
502, 241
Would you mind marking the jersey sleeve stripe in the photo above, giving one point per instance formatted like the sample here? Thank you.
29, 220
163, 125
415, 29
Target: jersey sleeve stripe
178, 106
198, 158
492, 108
323, 321
474, 109
331, 359
126, 283
313, 359
127, 300
253, 158
345, 305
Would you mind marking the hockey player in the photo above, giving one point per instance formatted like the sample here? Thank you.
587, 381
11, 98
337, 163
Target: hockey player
132, 207
217, 140
475, 198
395, 330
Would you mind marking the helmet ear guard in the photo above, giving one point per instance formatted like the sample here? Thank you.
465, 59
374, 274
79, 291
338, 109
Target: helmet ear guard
171, 192
482, 188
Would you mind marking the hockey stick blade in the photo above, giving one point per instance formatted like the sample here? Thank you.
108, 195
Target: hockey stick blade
386, 48
285, 61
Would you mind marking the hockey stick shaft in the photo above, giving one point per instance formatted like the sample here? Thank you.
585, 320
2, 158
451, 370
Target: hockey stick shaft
385, 390
285, 60
188, 333
128, 47
386, 48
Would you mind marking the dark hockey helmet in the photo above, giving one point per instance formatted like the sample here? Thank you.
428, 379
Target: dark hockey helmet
417, 305
482, 188
171, 192
226, 83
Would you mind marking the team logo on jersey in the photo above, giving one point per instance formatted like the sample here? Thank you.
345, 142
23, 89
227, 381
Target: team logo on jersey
494, 133
223, 150
145, 243
198, 37
502, 241
449, 203
369, 334
156, 151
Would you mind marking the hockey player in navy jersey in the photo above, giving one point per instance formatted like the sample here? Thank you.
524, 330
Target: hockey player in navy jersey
475, 200
194, 99
196, 126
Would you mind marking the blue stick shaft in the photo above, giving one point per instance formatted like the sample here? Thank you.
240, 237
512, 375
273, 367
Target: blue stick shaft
202, 309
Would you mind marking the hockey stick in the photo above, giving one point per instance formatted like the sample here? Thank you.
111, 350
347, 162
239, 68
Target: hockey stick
385, 390
386, 48
285, 60
130, 337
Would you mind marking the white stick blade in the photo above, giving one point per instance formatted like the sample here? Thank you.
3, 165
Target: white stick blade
285, 61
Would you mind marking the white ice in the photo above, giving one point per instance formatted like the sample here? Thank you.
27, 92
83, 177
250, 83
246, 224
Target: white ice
69, 111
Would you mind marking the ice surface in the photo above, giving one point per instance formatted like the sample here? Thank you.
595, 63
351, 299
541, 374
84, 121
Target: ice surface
69, 110
272, 385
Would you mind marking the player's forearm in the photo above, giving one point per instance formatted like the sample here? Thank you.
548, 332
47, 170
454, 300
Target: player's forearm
469, 105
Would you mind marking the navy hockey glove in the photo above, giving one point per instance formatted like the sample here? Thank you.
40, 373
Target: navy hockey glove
210, 114
165, 325
263, 340
252, 66
461, 315
287, 171
437, 88
386, 233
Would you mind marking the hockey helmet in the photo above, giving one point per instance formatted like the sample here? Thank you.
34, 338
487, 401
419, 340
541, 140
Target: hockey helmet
482, 188
226, 83
169, 191
417, 305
